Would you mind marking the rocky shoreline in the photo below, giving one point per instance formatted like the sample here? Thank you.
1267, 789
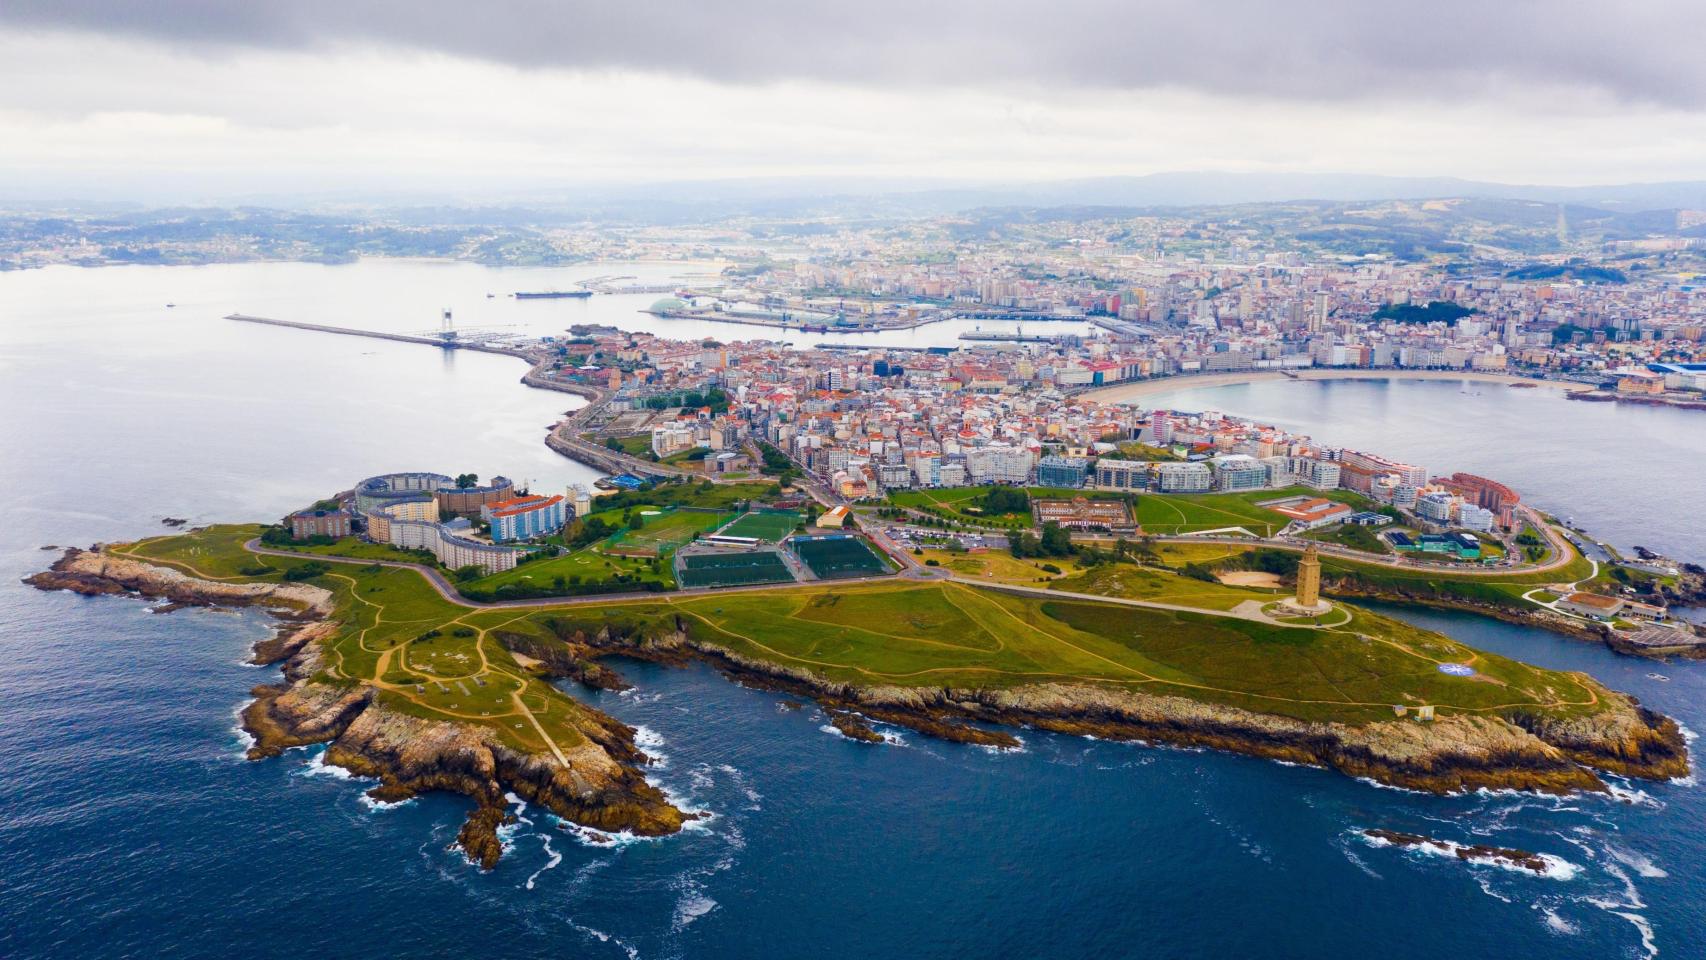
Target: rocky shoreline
368, 733
602, 787
1599, 396
1453, 754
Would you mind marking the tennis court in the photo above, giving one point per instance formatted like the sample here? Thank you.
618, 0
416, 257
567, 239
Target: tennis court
834, 557
732, 569
771, 525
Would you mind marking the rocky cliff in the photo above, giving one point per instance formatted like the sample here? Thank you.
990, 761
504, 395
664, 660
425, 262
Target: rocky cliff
372, 734
1457, 752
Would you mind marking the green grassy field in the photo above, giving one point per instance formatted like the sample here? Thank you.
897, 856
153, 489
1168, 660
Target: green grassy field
359, 549
639, 445
664, 530
1141, 583
953, 635
764, 525
432, 657
999, 566
958, 504
588, 565
1173, 514
1352, 536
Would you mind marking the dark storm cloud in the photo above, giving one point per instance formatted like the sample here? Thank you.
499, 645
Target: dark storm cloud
1635, 50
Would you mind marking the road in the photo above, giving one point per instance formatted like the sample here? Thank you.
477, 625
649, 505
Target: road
447, 590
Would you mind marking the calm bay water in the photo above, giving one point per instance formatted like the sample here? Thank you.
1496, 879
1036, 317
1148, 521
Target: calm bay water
1629, 475
131, 826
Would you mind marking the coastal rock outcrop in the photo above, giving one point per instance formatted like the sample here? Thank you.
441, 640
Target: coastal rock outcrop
595, 782
95, 573
1457, 752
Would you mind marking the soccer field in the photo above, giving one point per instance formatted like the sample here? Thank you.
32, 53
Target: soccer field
835, 557
773, 526
664, 530
732, 569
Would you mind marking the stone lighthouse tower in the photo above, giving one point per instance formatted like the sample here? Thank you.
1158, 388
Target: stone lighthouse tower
1308, 599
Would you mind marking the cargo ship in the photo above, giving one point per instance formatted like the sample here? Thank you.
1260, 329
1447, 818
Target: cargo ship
554, 295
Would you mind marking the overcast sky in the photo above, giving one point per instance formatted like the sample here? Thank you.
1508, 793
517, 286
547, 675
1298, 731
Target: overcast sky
215, 98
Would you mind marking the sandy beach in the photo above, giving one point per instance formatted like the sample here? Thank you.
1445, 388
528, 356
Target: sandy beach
1126, 392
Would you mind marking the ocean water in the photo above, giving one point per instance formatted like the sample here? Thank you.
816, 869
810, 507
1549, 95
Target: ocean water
130, 825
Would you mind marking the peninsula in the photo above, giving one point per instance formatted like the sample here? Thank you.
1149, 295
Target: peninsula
421, 688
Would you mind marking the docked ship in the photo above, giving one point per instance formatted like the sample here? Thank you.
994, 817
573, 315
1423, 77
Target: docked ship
554, 295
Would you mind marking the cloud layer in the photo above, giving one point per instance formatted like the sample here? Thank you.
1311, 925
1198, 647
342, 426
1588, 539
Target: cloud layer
1638, 51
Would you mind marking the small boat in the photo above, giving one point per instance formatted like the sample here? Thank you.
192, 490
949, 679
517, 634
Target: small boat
170, 306
1657, 676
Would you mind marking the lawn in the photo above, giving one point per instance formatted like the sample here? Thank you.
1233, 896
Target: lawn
694, 493
663, 529
1353, 536
772, 526
1171, 514
958, 503
359, 549
636, 446
431, 657
998, 566
587, 566
948, 634
1133, 582
214, 552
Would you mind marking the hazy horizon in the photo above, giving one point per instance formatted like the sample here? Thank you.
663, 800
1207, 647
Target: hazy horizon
188, 101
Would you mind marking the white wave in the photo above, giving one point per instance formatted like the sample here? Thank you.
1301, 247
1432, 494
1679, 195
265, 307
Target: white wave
1486, 885
1554, 867
600, 839
1358, 862
1631, 894
651, 742
603, 937
1687, 781
1649, 942
1632, 795
998, 749
1557, 924
1387, 786
691, 908
1638, 862
380, 806
318, 767
550, 864
245, 739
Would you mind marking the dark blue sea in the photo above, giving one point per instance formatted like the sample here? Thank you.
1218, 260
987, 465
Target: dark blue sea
131, 826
